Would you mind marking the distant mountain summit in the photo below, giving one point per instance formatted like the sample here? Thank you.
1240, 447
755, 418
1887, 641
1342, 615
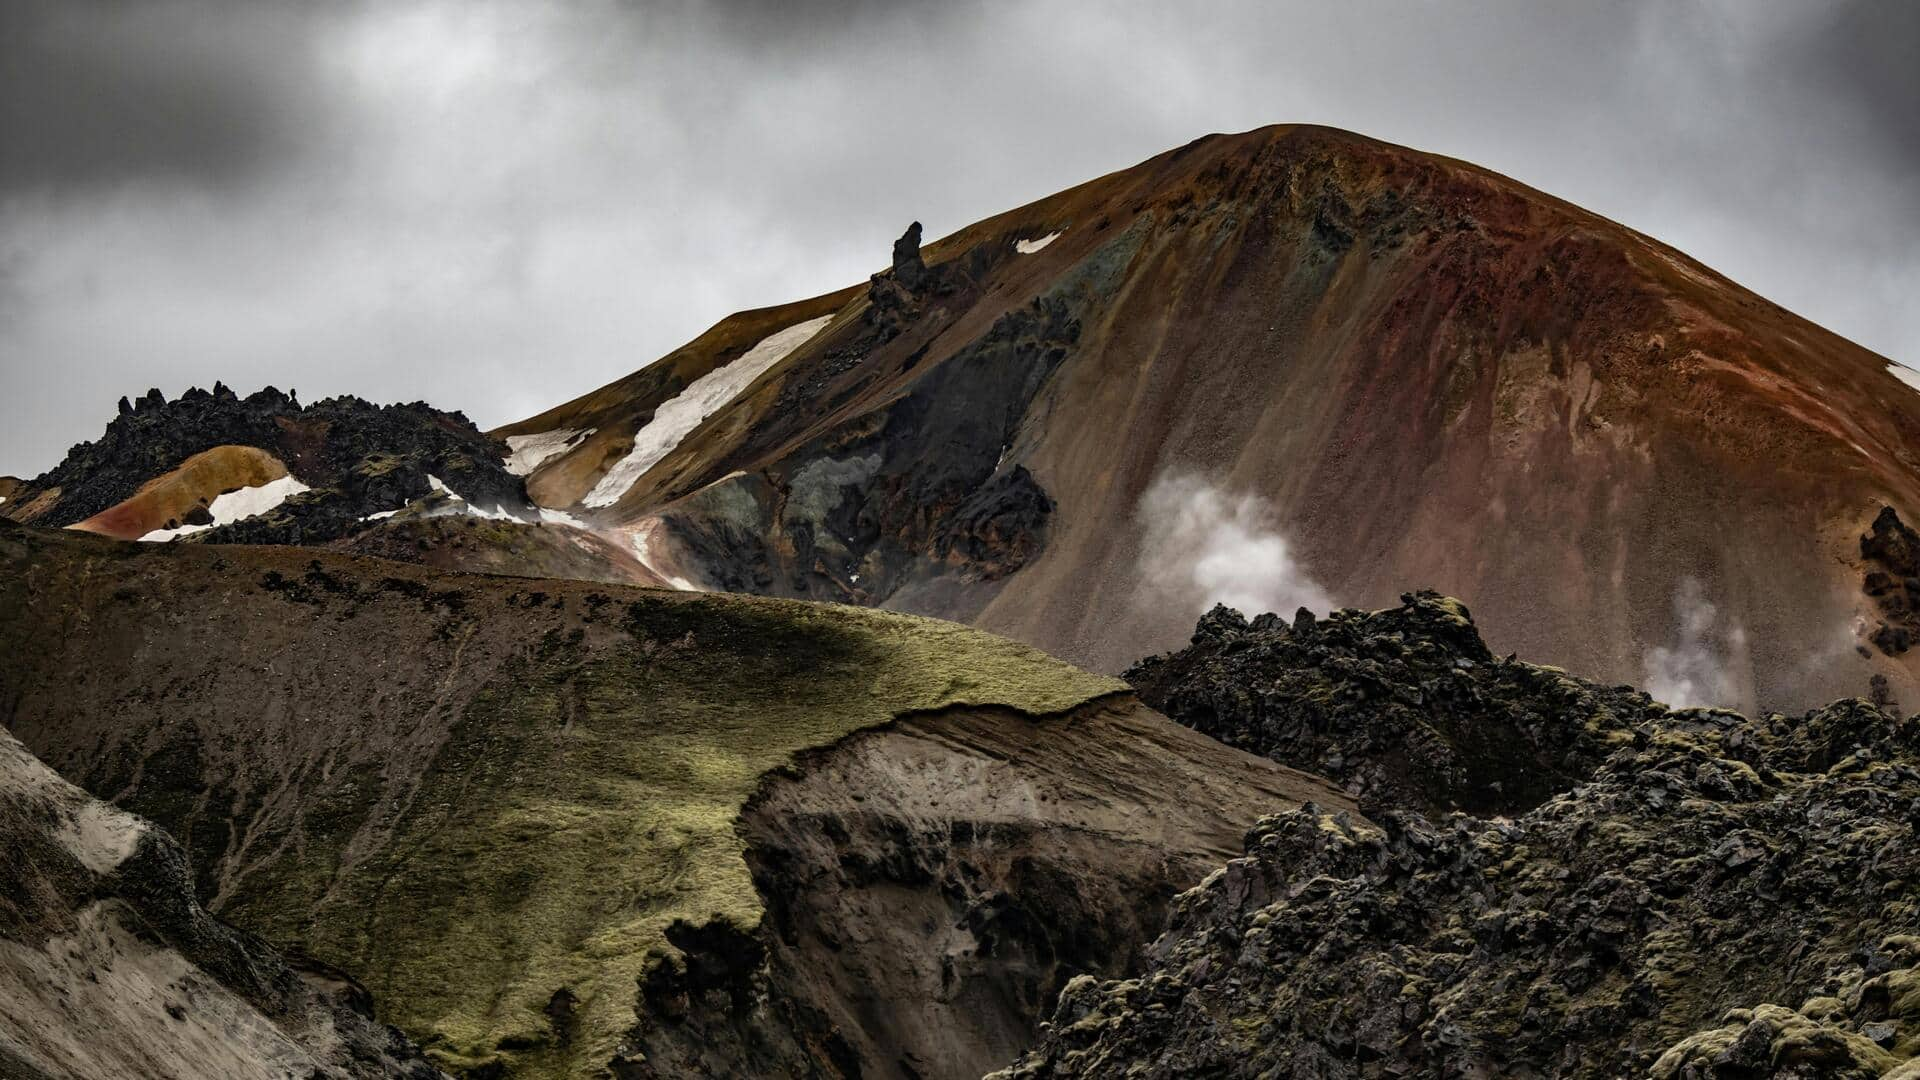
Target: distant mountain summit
1288, 366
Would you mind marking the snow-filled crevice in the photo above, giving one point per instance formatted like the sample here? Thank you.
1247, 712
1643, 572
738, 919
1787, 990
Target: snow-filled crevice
679, 416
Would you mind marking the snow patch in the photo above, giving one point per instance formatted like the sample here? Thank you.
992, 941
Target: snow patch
466, 507
680, 415
1905, 374
1028, 247
529, 452
238, 506
561, 517
642, 536
383, 514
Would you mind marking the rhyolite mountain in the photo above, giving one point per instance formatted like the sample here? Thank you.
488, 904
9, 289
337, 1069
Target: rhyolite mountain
568, 829
565, 824
1425, 374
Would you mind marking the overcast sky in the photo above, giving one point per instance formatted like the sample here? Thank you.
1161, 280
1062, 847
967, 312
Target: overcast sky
495, 205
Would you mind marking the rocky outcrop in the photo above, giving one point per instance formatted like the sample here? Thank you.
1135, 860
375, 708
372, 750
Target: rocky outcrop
931, 886
1405, 707
1891, 550
109, 966
358, 459
920, 502
1721, 896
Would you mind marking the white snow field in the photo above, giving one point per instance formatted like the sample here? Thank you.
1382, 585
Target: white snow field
561, 517
529, 452
1028, 247
677, 417
1905, 374
238, 505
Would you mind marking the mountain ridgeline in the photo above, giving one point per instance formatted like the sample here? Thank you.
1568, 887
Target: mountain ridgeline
1383, 367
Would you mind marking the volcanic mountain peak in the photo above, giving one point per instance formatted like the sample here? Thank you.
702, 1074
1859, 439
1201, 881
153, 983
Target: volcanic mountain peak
1379, 365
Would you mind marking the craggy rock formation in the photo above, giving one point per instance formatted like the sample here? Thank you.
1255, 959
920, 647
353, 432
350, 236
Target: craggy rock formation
1405, 707
1891, 550
358, 459
1416, 369
110, 967
917, 493
1721, 897
932, 885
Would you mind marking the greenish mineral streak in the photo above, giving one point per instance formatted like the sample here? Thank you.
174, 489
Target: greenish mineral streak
586, 799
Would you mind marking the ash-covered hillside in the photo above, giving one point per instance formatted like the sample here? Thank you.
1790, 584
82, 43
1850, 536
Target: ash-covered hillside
110, 967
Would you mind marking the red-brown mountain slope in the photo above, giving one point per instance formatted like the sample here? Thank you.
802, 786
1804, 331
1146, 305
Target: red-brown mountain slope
1350, 368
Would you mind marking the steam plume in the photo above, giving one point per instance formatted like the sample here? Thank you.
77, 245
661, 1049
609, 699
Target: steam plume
1699, 669
1205, 546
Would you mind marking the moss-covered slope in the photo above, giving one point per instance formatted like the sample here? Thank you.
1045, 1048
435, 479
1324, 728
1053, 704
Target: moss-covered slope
485, 797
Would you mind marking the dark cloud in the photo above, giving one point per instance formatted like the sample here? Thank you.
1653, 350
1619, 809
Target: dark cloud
498, 204
1870, 51
107, 93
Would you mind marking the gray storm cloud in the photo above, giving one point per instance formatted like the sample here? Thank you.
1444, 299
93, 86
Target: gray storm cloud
1202, 545
496, 204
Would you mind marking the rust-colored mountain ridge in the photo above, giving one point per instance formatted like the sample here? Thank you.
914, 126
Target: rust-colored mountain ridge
1293, 364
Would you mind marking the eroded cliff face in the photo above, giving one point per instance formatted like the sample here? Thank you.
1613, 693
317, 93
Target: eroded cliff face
559, 828
109, 966
931, 886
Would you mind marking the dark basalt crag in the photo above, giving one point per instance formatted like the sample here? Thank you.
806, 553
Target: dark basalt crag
357, 457
902, 493
1406, 707
1892, 552
921, 499
1722, 897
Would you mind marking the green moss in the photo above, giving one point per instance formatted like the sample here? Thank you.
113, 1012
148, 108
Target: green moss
587, 798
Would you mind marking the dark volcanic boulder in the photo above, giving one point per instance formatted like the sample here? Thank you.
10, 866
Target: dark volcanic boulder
1404, 707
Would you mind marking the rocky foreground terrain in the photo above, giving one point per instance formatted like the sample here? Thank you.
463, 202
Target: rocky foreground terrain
110, 967
1645, 892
